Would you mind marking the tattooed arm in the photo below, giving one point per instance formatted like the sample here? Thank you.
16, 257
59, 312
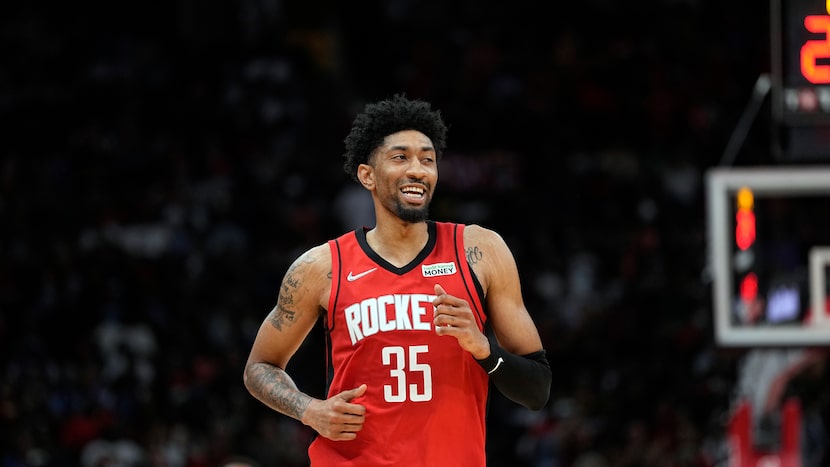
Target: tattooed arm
302, 297
515, 359
494, 265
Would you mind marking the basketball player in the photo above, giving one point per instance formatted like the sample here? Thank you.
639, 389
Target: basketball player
420, 315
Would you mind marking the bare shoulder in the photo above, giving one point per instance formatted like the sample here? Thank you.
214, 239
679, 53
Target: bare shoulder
476, 234
487, 253
299, 305
308, 279
314, 260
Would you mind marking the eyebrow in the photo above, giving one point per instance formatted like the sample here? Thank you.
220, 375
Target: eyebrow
403, 147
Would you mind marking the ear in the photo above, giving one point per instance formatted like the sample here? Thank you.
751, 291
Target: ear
366, 175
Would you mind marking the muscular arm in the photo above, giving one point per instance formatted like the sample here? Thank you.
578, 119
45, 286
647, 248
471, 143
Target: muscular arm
283, 331
523, 374
303, 294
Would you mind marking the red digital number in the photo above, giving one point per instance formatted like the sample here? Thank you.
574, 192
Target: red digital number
814, 50
745, 229
749, 288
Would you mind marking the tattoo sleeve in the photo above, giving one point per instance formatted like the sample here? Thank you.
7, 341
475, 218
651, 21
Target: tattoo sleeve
272, 385
284, 313
266, 381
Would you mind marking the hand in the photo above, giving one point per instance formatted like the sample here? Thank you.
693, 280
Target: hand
453, 317
336, 418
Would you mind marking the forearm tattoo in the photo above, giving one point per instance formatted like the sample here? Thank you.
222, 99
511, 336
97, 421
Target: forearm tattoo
273, 386
474, 255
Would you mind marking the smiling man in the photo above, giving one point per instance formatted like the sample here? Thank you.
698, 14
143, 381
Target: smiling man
421, 316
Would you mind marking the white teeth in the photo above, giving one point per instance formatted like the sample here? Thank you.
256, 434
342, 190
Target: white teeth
412, 191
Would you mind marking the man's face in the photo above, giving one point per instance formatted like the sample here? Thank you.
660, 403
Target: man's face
404, 173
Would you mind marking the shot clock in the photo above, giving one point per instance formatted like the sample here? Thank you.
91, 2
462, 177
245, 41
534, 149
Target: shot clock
801, 61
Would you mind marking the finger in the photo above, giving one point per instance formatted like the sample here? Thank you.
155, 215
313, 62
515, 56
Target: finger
349, 431
347, 406
446, 330
447, 319
353, 393
441, 297
351, 421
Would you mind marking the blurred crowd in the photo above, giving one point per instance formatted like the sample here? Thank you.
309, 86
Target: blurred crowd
162, 164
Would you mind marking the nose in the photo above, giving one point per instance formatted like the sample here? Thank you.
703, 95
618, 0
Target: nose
416, 169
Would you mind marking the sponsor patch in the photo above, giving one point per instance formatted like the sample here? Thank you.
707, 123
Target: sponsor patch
438, 269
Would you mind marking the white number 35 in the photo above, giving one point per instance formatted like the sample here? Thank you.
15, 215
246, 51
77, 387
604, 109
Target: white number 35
396, 357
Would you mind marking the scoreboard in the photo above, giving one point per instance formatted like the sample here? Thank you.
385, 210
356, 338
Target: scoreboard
800, 32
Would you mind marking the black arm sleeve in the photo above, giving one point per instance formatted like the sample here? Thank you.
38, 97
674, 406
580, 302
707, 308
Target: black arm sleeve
524, 379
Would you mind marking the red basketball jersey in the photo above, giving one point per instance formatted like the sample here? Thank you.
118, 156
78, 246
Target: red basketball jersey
427, 397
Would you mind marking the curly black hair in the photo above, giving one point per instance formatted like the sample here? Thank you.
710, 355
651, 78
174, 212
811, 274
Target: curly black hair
383, 118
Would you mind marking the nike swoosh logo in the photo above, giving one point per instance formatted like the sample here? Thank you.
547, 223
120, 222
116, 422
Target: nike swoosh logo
498, 364
354, 277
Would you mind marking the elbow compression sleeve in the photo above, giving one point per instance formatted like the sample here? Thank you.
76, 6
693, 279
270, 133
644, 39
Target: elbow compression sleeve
524, 379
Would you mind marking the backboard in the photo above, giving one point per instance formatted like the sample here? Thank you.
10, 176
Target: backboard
769, 253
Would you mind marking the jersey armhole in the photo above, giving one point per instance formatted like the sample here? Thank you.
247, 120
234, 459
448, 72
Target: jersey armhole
477, 293
334, 246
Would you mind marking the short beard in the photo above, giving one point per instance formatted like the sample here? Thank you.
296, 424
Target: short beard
412, 216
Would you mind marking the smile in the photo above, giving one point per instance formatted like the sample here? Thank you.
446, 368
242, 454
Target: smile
414, 192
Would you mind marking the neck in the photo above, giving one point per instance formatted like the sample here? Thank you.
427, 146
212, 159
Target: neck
397, 241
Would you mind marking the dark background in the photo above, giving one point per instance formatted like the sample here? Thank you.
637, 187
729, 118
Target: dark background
164, 162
